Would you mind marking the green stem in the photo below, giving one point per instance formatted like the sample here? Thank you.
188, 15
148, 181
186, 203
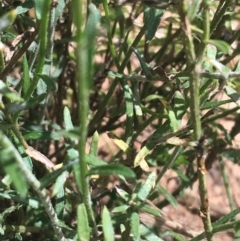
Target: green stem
109, 35
194, 64
42, 49
170, 161
227, 186
2, 62
84, 67
217, 229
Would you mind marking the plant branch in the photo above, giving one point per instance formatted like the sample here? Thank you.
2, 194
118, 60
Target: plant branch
172, 76
194, 65
36, 185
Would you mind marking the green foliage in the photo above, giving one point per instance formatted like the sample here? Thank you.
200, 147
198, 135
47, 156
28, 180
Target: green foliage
71, 71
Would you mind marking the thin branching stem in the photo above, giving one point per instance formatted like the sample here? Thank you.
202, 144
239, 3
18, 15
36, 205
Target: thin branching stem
194, 64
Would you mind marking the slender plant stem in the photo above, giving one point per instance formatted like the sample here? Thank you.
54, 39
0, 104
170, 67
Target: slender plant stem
193, 71
227, 186
84, 67
194, 63
42, 49
2, 62
109, 35
170, 161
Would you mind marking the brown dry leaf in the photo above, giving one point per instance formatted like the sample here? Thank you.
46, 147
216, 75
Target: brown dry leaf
38, 156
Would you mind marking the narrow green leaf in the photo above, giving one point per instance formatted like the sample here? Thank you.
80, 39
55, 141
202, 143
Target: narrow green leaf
94, 161
152, 17
172, 118
67, 119
39, 8
26, 76
179, 106
146, 70
233, 94
135, 226
112, 169
193, 9
72, 153
153, 97
58, 11
151, 210
82, 223
224, 70
142, 154
5, 91
214, 104
227, 136
120, 209
182, 176
128, 95
13, 196
63, 225
232, 154
24, 7
59, 183
148, 234
162, 129
124, 195
49, 82
16, 107
168, 196
147, 187
60, 203
227, 217
9, 154
221, 45
91, 31
94, 144
41, 135
211, 53
174, 235
52, 176
108, 231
